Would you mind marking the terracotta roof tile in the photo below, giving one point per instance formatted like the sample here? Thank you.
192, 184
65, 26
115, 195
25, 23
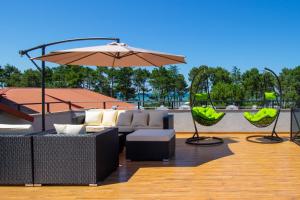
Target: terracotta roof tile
79, 98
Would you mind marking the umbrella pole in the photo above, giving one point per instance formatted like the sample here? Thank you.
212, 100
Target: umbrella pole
43, 92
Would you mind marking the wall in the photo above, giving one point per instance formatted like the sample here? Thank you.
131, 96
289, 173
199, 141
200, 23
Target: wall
51, 118
233, 121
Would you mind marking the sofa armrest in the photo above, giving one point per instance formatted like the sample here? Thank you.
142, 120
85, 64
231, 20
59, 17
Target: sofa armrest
168, 121
16, 159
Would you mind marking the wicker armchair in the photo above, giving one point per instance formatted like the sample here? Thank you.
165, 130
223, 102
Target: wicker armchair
75, 160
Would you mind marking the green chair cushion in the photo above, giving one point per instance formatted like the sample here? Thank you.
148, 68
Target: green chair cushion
262, 118
271, 96
206, 116
201, 96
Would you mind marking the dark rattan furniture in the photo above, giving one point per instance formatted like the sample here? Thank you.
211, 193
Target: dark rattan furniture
78, 117
75, 160
150, 147
295, 125
16, 159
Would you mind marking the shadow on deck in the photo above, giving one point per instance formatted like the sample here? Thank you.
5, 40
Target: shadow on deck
185, 156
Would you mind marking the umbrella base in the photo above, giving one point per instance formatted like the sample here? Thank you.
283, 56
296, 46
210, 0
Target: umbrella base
204, 141
261, 139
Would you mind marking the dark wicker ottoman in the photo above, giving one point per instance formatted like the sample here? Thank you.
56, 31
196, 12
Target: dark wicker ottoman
75, 160
150, 144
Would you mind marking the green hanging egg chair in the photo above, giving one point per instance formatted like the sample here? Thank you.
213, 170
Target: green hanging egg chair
204, 115
266, 116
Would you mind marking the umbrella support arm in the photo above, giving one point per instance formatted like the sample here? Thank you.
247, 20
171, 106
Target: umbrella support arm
23, 52
43, 65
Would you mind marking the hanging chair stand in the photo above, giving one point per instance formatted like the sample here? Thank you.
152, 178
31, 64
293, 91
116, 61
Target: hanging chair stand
196, 139
274, 137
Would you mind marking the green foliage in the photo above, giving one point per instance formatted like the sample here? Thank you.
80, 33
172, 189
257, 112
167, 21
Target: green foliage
124, 84
290, 80
166, 84
252, 82
11, 76
31, 78
140, 79
236, 87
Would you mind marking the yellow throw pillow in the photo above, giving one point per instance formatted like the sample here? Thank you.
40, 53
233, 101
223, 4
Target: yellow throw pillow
93, 117
109, 117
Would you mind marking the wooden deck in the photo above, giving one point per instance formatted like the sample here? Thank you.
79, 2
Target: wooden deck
235, 170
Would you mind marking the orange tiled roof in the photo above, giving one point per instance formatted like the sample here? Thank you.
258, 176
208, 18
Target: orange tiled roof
79, 98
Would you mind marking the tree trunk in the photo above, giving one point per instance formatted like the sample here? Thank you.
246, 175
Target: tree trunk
112, 87
143, 98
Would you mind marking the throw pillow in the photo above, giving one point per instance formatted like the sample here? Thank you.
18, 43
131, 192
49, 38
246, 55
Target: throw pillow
124, 118
93, 117
140, 119
69, 129
109, 117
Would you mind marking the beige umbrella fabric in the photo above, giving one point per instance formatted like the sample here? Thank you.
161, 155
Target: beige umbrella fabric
113, 55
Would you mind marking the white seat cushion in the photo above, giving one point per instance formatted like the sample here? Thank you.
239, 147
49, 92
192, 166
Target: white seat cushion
156, 119
125, 129
93, 117
140, 119
151, 135
69, 129
146, 127
16, 128
124, 118
94, 129
109, 117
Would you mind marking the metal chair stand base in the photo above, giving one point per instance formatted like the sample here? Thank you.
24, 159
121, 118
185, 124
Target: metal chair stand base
204, 141
262, 139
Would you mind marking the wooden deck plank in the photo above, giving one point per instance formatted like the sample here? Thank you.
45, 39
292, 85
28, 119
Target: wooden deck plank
235, 170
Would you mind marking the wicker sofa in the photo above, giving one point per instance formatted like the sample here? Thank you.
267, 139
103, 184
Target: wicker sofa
75, 159
166, 121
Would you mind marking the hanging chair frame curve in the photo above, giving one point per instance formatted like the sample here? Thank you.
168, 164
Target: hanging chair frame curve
196, 139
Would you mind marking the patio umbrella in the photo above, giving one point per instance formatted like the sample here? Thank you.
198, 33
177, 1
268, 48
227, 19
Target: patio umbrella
111, 55
115, 54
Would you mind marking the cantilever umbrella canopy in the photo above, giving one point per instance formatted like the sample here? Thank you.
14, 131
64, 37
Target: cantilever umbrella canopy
111, 55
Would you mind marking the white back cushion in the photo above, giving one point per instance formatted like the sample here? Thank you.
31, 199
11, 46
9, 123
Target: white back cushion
156, 119
16, 128
139, 119
124, 118
93, 117
109, 117
69, 129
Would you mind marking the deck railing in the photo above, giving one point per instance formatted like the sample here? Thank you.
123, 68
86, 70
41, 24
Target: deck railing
75, 105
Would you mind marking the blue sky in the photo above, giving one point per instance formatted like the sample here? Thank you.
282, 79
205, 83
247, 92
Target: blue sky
214, 32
